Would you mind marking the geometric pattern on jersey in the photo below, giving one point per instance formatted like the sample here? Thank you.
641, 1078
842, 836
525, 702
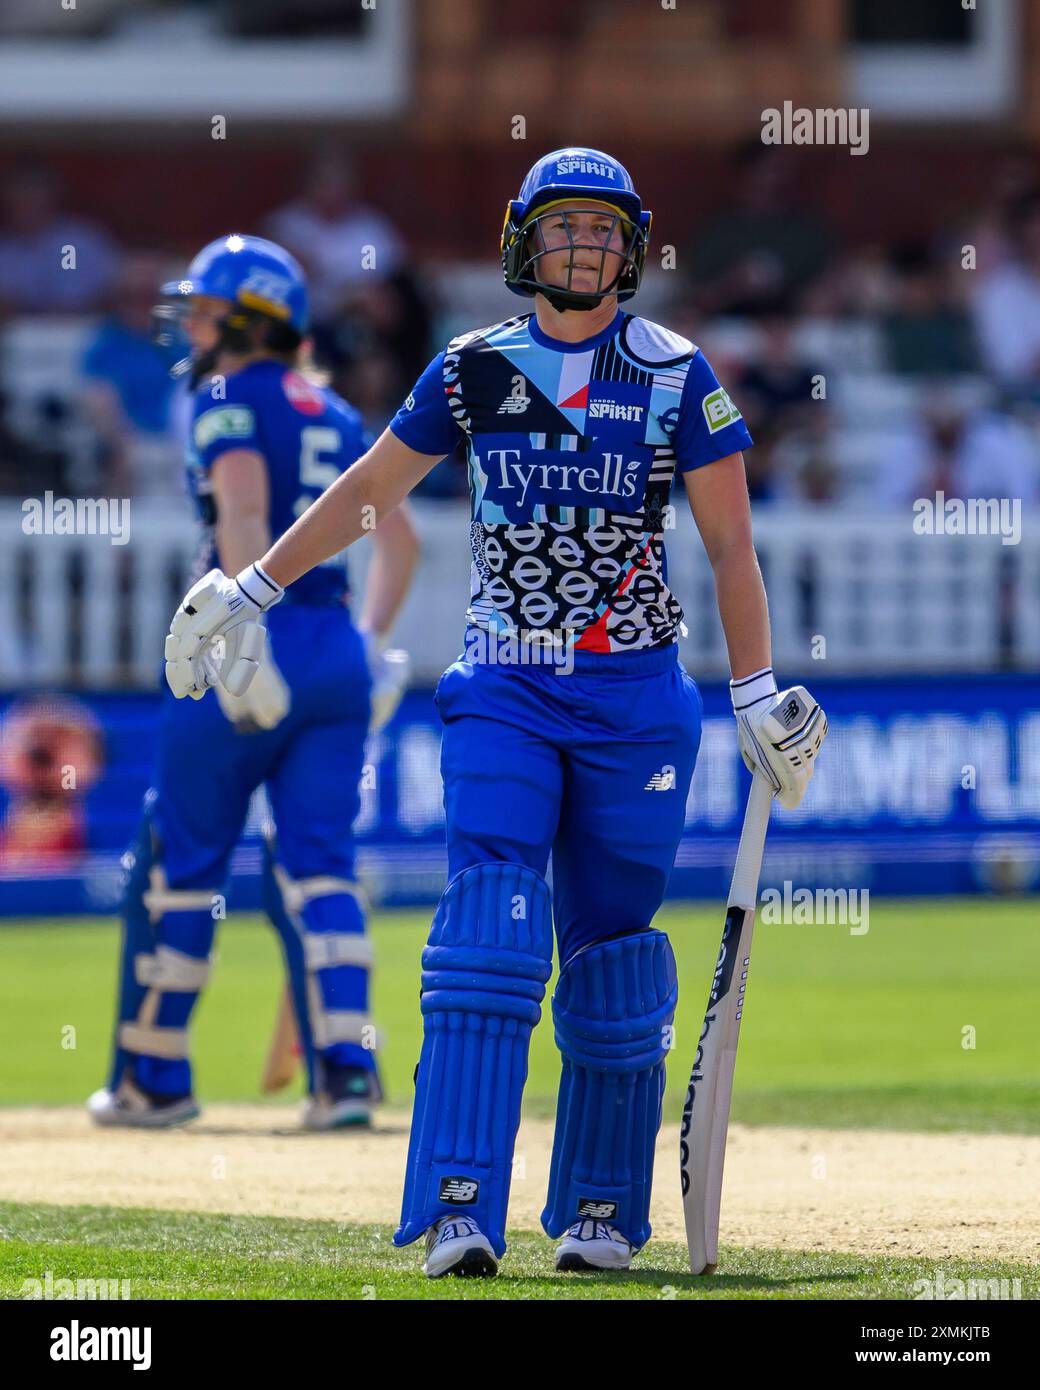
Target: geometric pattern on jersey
570, 472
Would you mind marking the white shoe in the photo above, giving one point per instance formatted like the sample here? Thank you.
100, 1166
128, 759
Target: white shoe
128, 1106
456, 1245
593, 1245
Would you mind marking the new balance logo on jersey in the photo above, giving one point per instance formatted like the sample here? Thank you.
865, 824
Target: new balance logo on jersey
662, 781
596, 1210
518, 400
612, 410
459, 1191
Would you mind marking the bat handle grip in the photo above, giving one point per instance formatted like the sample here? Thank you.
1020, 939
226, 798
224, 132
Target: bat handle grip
744, 888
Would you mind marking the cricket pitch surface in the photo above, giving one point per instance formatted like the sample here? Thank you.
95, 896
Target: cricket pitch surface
868, 1191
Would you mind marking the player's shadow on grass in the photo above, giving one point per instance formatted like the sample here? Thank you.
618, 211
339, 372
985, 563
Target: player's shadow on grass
381, 1131
684, 1285
294, 1131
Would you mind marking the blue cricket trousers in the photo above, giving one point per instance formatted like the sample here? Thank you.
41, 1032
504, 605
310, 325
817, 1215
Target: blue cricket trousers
593, 766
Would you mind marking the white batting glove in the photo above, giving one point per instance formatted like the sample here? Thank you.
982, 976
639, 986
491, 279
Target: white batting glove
213, 609
389, 670
265, 703
779, 734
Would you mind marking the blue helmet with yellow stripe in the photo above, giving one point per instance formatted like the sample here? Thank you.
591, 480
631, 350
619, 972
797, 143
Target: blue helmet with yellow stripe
255, 275
574, 174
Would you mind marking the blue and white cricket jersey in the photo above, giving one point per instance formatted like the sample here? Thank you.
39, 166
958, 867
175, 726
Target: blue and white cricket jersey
572, 450
306, 435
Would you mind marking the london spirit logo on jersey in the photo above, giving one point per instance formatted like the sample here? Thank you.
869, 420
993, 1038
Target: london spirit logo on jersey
618, 411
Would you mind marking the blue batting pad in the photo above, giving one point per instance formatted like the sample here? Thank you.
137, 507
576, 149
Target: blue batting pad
327, 960
613, 1008
167, 938
484, 975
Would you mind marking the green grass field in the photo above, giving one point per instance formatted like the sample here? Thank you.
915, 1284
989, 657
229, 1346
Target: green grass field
841, 1030
175, 1255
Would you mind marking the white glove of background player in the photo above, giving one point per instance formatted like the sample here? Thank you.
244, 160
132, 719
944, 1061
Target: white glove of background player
779, 734
214, 608
389, 670
267, 699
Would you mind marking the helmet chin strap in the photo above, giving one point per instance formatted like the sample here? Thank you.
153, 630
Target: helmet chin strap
564, 305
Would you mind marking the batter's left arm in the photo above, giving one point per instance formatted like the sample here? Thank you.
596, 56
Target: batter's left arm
719, 502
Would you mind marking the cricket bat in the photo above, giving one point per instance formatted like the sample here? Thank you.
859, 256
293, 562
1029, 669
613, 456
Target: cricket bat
283, 1056
705, 1121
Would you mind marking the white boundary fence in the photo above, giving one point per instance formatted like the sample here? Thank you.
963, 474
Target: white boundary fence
80, 611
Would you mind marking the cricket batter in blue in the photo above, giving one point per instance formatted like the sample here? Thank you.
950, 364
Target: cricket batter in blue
570, 727
266, 440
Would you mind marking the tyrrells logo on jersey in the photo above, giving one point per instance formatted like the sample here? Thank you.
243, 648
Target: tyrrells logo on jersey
519, 479
570, 475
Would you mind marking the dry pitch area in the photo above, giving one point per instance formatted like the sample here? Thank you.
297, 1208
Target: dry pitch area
867, 1191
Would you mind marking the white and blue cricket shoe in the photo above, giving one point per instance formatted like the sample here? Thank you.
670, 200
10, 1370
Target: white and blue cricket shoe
129, 1107
456, 1245
593, 1245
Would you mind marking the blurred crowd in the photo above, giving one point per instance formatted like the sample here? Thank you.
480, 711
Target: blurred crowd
869, 374
875, 374
87, 399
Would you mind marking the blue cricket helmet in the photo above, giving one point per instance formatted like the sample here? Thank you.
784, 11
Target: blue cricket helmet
580, 174
253, 274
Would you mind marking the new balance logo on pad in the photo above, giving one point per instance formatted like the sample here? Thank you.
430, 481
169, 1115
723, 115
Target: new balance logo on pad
461, 1191
595, 1210
514, 405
